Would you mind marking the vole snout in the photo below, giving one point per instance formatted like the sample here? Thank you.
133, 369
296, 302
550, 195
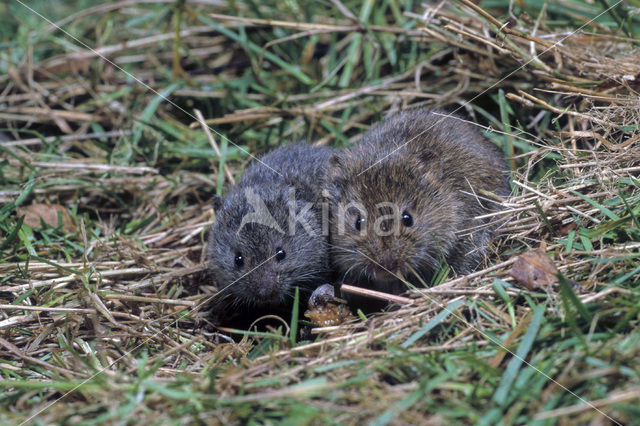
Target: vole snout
388, 261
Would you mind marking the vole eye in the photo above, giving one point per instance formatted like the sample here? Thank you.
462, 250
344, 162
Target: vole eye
359, 222
239, 260
407, 220
280, 254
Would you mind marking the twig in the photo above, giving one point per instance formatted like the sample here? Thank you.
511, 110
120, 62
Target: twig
214, 145
4, 307
376, 294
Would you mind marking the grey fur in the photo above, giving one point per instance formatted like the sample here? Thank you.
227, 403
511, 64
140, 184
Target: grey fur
264, 281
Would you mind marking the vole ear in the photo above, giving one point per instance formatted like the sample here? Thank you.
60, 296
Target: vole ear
338, 171
336, 164
428, 158
217, 203
431, 167
335, 168
336, 160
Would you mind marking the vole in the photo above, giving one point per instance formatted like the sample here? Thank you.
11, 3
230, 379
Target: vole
268, 237
405, 197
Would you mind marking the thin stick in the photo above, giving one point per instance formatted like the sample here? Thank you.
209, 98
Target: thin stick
67, 138
132, 298
214, 145
376, 294
5, 307
98, 167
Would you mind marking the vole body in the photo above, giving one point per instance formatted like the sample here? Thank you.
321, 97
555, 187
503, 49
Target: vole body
268, 236
405, 195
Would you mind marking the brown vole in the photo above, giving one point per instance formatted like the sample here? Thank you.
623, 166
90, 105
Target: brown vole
268, 237
407, 194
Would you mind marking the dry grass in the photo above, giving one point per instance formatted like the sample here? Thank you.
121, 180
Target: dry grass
109, 328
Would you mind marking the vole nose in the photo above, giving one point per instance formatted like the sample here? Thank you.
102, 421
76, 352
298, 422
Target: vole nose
266, 283
386, 225
389, 262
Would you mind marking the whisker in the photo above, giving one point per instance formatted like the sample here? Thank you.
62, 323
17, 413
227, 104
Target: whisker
343, 248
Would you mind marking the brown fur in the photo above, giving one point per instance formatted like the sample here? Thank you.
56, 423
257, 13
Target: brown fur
427, 165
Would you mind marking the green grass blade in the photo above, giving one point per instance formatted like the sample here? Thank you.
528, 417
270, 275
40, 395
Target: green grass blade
293, 335
511, 372
446, 311
569, 295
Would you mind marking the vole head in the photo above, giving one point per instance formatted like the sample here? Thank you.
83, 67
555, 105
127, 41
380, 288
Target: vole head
263, 244
387, 213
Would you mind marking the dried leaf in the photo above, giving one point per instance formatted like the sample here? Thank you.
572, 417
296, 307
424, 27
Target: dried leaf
33, 213
565, 229
534, 269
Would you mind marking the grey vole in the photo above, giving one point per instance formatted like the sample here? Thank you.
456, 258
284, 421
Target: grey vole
268, 236
407, 194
